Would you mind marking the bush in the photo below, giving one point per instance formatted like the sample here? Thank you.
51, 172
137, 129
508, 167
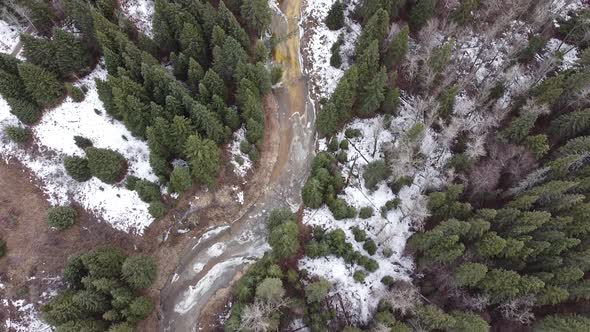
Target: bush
139, 271
359, 276
180, 179
341, 210
387, 280
387, 252
276, 74
82, 142
368, 263
397, 185
366, 212
157, 209
344, 144
245, 147
333, 145
76, 93
359, 234
61, 217
17, 134
336, 58
107, 165
335, 17
254, 154
374, 173
77, 168
342, 157
147, 191
131, 181
270, 290
353, 133
370, 247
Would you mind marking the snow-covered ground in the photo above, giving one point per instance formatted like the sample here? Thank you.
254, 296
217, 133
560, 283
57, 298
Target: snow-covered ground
28, 317
141, 13
54, 137
317, 41
9, 37
241, 162
391, 231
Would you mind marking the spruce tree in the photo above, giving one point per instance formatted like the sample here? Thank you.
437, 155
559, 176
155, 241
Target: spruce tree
375, 30
335, 18
422, 11
257, 15
42, 85
203, 156
398, 48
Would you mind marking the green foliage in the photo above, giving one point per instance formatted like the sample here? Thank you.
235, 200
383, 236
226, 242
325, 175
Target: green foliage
335, 17
375, 30
359, 276
422, 11
157, 209
270, 290
464, 12
257, 14
374, 173
107, 165
316, 291
147, 191
276, 75
75, 93
359, 234
284, 239
17, 134
370, 247
77, 168
466, 321
433, 318
536, 44
41, 84
519, 127
139, 271
2, 248
398, 48
180, 179
336, 58
469, 274
25, 111
61, 217
366, 212
203, 157
574, 323
571, 124
538, 144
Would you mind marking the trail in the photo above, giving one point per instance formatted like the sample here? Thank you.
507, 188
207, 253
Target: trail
212, 261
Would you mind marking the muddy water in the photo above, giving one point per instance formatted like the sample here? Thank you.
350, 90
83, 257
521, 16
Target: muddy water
212, 261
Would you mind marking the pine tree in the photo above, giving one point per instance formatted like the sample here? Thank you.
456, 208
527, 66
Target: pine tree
203, 156
284, 239
372, 95
335, 18
563, 323
107, 165
469, 322
231, 26
26, 112
261, 52
422, 11
398, 48
165, 25
71, 53
40, 51
469, 274
257, 15
41, 84
375, 30
193, 44
370, 7
571, 124
139, 271
462, 14
77, 168
214, 84
227, 58
180, 179
40, 15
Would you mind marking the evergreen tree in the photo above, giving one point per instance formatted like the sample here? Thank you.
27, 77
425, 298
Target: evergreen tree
203, 156
335, 18
77, 168
41, 84
398, 48
193, 44
257, 15
26, 112
230, 25
139, 271
571, 124
107, 165
422, 11
180, 179
375, 30
227, 58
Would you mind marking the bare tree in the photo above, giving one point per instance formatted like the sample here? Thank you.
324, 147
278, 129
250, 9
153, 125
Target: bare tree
403, 297
519, 310
256, 316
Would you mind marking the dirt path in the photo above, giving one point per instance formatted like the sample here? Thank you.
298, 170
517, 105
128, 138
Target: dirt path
211, 261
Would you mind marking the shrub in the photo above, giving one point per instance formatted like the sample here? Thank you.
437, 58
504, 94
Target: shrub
245, 147
147, 191
270, 290
317, 291
254, 154
359, 234
77, 168
17, 134
180, 179
370, 247
335, 58
341, 210
335, 17
387, 252
76, 93
374, 173
157, 209
359, 276
107, 165
342, 157
82, 142
139, 271
368, 263
333, 145
344, 144
61, 217
131, 181
397, 185
353, 133
366, 212
387, 280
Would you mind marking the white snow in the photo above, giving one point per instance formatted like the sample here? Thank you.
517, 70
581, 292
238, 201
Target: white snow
241, 169
323, 76
28, 318
569, 52
141, 13
9, 36
53, 138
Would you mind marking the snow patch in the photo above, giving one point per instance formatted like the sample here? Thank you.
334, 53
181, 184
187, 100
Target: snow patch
9, 36
140, 12
240, 161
